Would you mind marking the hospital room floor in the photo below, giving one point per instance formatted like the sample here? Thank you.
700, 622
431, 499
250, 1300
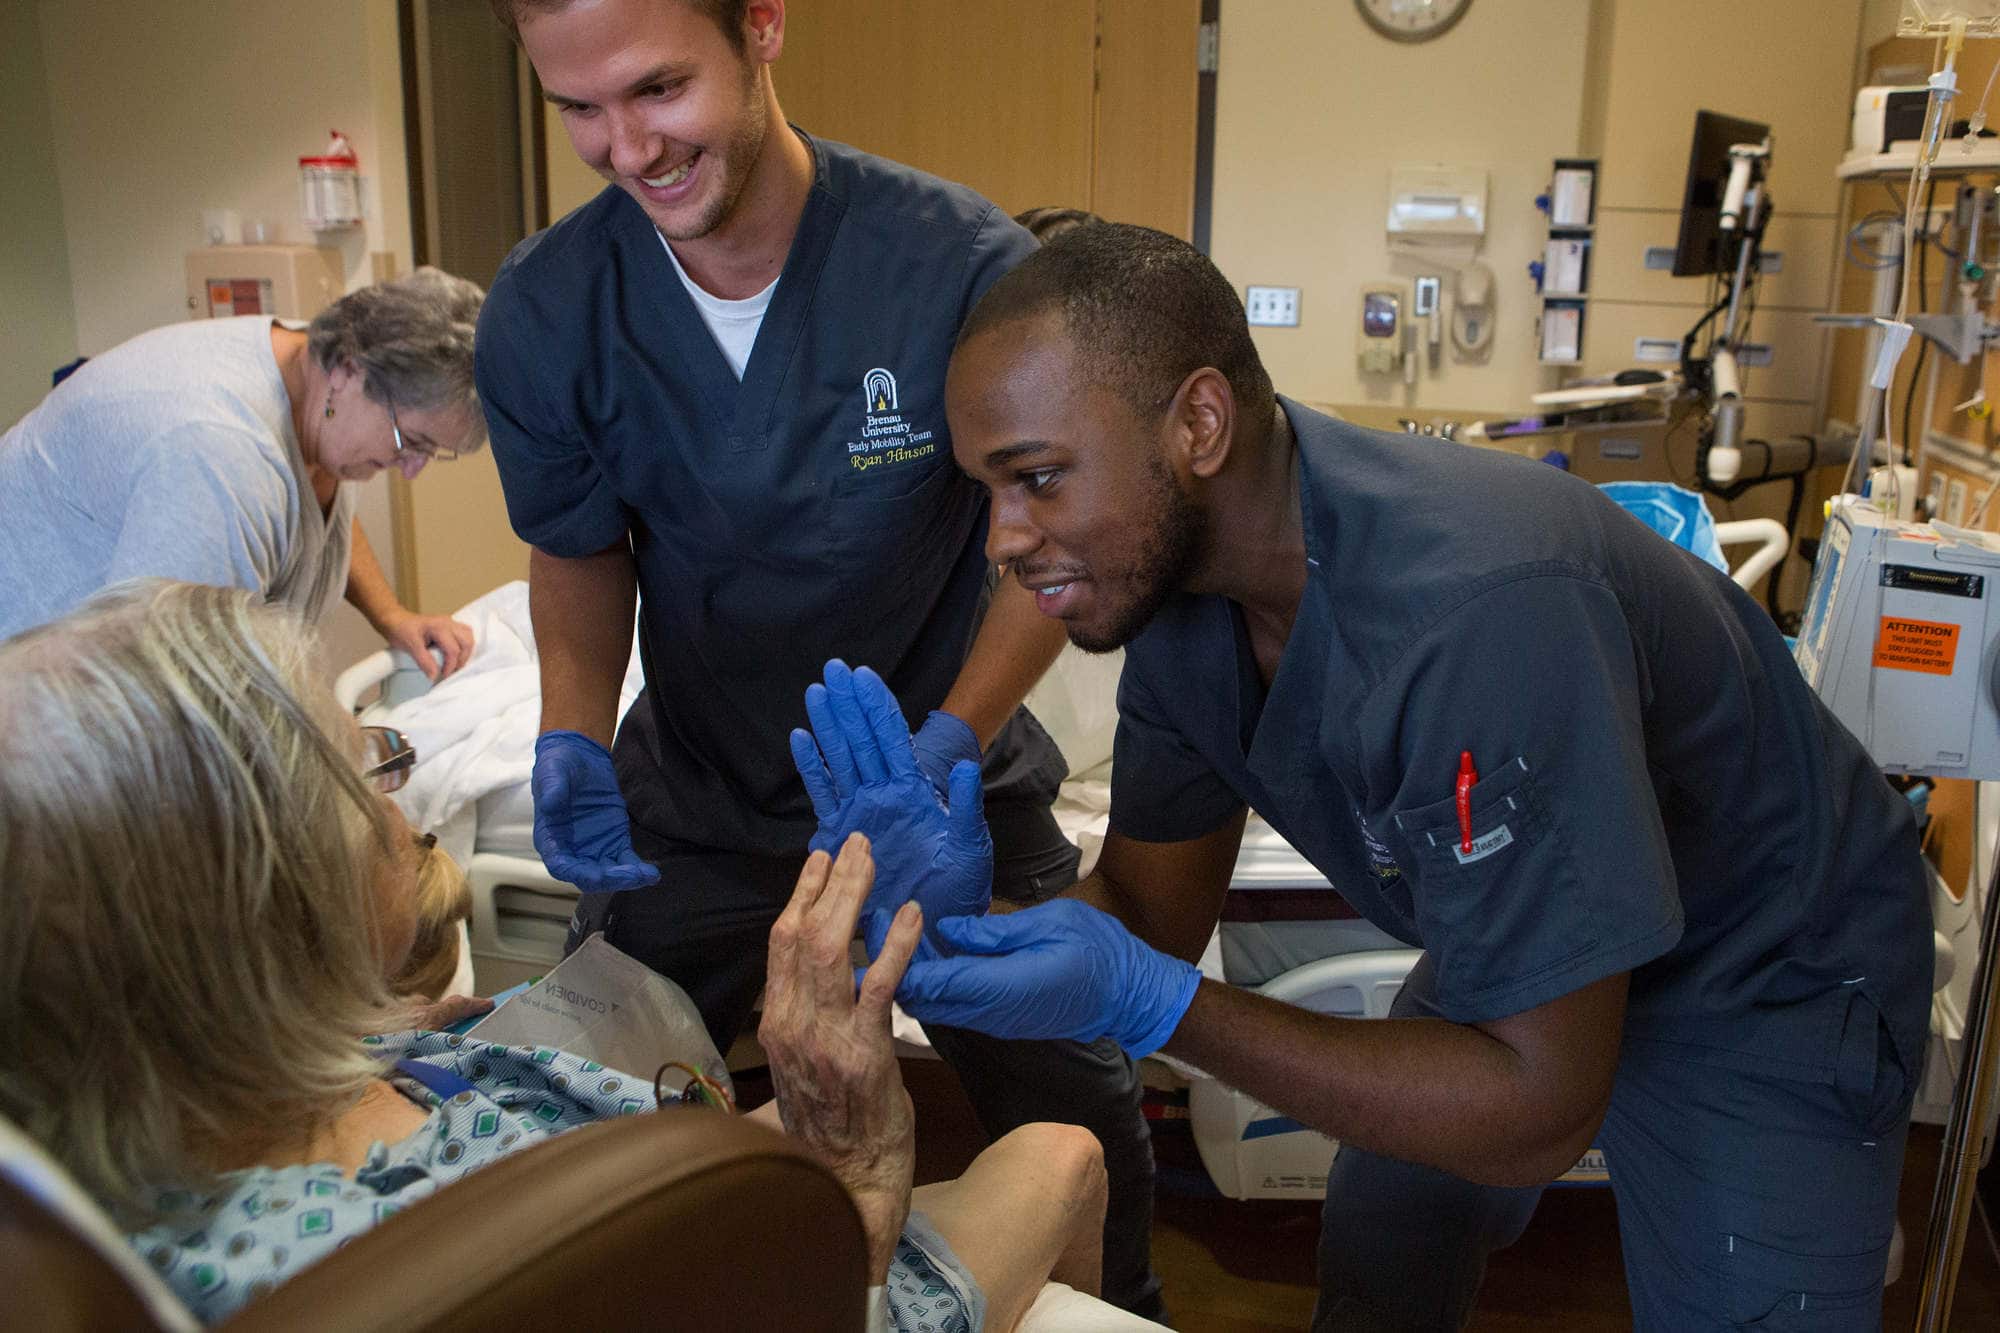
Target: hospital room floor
1247, 1267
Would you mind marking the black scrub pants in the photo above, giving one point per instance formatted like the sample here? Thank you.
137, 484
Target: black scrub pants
1745, 1200
706, 923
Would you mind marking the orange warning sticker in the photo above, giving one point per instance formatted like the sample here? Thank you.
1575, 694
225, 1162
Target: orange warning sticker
1929, 646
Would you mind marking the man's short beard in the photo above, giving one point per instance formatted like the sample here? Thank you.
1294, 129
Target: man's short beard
743, 150
1174, 547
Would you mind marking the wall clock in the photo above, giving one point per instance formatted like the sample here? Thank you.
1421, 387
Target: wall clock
1412, 20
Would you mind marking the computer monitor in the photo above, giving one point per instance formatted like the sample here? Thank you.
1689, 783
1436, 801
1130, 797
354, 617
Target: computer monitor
1701, 198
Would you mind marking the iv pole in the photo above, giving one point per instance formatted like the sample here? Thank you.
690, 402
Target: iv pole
1971, 1103
1972, 1098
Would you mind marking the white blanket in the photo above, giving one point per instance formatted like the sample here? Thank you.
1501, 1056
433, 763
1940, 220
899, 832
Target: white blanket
475, 731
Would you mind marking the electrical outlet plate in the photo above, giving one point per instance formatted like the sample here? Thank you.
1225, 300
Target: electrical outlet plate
1273, 307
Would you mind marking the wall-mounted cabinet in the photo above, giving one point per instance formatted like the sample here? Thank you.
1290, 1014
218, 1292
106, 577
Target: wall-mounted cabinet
1562, 274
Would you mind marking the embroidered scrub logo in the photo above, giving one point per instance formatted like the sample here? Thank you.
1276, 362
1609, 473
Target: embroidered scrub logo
1380, 859
879, 388
887, 437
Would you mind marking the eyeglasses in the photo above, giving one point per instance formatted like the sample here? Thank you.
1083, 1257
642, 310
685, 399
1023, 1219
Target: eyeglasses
387, 757
420, 448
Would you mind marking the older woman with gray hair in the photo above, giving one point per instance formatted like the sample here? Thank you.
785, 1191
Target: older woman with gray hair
219, 451
206, 890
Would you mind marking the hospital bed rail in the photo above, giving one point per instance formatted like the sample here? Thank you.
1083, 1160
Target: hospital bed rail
520, 912
1772, 543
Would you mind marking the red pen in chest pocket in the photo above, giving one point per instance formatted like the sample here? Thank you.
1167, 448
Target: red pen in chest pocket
1468, 778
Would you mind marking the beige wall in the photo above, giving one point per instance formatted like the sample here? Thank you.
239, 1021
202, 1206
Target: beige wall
1878, 20
159, 110
162, 110
38, 332
1313, 110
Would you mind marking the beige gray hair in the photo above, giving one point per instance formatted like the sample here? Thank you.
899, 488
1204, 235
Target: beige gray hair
411, 339
187, 950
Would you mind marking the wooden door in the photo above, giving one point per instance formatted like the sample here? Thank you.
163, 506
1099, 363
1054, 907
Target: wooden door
996, 94
1080, 103
1142, 164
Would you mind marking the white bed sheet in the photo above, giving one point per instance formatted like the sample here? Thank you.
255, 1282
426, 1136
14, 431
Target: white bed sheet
506, 821
475, 732
1265, 861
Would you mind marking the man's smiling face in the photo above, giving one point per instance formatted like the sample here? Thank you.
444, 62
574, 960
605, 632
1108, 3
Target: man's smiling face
657, 100
1086, 511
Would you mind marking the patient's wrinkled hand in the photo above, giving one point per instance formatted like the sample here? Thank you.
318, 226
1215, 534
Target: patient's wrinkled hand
833, 1062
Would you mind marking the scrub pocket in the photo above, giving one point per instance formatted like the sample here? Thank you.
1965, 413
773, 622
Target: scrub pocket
907, 511
1506, 813
889, 483
1473, 908
1776, 1289
1875, 1080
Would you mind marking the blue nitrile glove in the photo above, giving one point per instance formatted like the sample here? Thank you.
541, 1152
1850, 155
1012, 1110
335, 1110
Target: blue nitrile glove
582, 829
942, 743
862, 775
1057, 969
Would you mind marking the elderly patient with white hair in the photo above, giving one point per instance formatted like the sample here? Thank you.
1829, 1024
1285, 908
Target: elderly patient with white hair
205, 892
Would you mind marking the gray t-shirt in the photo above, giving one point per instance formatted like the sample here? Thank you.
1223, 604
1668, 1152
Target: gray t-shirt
172, 455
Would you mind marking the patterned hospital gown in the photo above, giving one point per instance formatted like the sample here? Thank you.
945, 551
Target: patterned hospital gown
258, 1227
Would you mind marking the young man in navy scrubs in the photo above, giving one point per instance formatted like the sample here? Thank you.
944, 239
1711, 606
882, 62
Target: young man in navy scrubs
719, 387
1667, 903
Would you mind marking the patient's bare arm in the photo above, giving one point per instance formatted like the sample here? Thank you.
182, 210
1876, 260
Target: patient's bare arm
833, 1063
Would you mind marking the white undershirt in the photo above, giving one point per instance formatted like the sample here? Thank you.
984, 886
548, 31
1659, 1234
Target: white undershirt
733, 324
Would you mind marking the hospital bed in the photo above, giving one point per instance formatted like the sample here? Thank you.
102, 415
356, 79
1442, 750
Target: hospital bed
1283, 931
476, 733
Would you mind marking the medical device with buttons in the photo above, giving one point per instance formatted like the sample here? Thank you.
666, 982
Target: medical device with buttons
1885, 115
1899, 640
1381, 329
